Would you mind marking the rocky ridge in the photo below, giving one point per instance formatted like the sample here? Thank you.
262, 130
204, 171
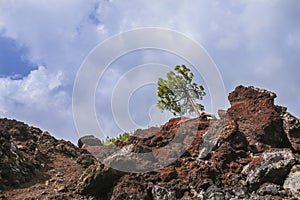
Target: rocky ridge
35, 165
251, 152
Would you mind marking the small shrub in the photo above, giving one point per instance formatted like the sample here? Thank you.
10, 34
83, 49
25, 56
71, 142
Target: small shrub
123, 137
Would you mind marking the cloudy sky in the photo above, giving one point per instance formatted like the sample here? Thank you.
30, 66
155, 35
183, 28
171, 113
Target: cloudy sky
44, 43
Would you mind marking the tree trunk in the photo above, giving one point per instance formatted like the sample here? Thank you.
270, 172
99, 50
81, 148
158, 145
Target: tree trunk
194, 107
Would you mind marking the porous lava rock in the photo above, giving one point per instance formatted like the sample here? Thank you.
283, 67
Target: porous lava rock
250, 152
35, 165
291, 126
258, 118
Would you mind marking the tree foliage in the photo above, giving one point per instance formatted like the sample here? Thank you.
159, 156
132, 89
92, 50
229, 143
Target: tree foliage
123, 137
178, 94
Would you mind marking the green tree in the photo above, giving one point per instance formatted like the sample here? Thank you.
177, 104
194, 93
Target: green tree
178, 94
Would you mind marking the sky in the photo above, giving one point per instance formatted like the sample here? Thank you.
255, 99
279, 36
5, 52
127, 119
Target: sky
44, 43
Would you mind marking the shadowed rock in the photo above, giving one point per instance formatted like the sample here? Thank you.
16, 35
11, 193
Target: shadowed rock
251, 152
272, 167
89, 140
291, 126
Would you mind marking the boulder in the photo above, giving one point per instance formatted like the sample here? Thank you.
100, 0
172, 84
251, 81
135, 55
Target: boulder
89, 140
98, 180
272, 167
258, 118
293, 179
291, 126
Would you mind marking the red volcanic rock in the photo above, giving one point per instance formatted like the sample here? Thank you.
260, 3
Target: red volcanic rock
251, 152
35, 165
131, 187
168, 173
257, 117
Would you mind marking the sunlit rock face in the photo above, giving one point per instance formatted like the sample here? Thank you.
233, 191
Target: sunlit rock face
250, 152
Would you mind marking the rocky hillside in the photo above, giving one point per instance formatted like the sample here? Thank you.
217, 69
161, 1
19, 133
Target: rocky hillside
35, 165
251, 151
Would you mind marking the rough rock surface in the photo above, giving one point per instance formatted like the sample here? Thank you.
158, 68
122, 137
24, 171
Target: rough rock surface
89, 140
272, 166
291, 126
16, 165
293, 179
258, 118
35, 165
251, 152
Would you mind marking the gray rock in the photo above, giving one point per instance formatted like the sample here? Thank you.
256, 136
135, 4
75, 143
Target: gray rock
292, 181
291, 126
89, 140
269, 189
273, 168
125, 196
161, 193
210, 139
95, 177
218, 132
215, 193
241, 194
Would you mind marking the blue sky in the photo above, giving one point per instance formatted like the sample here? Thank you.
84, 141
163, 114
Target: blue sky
43, 43
12, 60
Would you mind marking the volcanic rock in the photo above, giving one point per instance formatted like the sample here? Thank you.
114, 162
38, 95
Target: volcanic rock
89, 140
251, 152
258, 118
269, 189
16, 165
35, 165
291, 126
272, 166
293, 179
98, 180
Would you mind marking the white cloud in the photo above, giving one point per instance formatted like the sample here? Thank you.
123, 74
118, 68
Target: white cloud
253, 42
38, 99
58, 33
34, 89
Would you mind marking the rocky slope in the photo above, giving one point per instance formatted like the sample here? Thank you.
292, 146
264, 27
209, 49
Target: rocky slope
35, 165
251, 152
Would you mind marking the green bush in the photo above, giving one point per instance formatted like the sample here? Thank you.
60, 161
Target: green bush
123, 137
